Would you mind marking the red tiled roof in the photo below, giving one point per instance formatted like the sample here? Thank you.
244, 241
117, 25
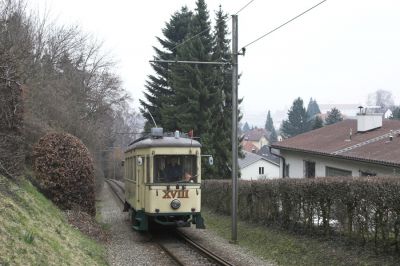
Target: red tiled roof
248, 146
333, 140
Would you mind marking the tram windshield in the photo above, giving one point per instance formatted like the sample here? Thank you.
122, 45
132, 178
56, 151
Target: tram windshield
175, 168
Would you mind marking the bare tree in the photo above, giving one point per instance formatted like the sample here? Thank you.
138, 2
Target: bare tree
69, 81
381, 98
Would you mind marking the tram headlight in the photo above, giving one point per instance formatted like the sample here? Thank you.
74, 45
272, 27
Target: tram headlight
175, 204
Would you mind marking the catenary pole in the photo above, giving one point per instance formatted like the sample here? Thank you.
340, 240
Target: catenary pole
234, 126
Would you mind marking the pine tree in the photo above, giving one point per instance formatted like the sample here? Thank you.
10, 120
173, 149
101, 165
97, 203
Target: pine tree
334, 116
317, 123
246, 127
269, 126
395, 113
312, 108
297, 121
158, 86
193, 86
222, 111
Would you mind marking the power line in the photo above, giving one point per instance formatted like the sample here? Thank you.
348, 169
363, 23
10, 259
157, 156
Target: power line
287, 22
208, 28
240, 10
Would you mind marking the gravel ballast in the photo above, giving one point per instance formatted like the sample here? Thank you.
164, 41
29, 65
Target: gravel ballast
127, 247
233, 253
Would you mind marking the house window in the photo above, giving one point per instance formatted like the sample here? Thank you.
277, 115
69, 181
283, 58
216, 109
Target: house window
260, 170
367, 173
309, 169
287, 168
331, 171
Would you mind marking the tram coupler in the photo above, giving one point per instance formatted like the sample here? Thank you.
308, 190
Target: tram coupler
181, 223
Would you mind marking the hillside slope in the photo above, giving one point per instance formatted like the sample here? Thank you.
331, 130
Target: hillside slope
35, 232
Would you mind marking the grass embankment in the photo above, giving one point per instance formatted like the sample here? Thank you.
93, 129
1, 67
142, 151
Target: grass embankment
285, 248
35, 232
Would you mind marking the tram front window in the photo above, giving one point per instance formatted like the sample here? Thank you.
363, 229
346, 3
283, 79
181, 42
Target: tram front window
175, 168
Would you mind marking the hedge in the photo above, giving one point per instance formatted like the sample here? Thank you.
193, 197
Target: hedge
64, 171
366, 210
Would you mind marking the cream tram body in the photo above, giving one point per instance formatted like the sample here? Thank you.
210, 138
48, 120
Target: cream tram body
162, 182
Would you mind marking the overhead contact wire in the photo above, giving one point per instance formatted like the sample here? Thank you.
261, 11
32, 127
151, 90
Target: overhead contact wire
284, 24
208, 28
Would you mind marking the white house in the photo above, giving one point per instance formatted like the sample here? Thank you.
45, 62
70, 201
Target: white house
366, 146
254, 166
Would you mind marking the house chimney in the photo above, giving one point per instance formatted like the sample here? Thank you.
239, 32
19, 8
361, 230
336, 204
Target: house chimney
367, 119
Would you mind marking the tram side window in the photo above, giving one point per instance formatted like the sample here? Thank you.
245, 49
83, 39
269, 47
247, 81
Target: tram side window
175, 168
147, 169
130, 168
133, 168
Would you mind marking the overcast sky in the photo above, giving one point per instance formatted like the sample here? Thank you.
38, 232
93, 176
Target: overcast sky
337, 53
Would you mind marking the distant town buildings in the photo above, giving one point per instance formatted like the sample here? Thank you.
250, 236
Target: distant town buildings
257, 137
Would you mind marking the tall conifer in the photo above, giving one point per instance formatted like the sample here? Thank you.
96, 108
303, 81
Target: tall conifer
334, 116
158, 86
297, 121
269, 126
193, 84
312, 108
222, 111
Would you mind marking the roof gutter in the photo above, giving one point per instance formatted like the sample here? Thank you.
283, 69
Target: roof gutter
349, 158
283, 161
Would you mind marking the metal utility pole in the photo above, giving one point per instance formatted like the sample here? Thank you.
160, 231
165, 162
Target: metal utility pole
234, 126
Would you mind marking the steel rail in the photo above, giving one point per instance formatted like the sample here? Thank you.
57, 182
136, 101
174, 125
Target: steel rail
112, 186
212, 256
171, 254
118, 184
196, 246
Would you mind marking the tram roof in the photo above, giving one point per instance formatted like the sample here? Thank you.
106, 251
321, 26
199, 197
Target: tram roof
164, 142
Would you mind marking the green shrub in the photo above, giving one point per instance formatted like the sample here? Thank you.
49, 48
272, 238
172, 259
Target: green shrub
366, 210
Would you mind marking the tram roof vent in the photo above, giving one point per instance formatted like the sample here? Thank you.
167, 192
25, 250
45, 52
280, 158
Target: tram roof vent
157, 132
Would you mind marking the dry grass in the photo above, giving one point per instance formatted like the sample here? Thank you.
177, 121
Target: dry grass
34, 232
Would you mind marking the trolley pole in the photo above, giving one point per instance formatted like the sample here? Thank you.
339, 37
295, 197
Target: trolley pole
234, 126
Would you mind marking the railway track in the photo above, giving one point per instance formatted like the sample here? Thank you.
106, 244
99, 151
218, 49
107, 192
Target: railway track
117, 189
186, 251
177, 245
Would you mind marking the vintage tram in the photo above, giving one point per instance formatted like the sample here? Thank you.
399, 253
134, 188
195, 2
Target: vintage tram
162, 181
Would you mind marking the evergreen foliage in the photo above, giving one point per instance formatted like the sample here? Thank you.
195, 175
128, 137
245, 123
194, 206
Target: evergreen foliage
222, 110
195, 96
158, 86
334, 116
246, 127
313, 108
395, 113
317, 123
269, 126
297, 121
193, 85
